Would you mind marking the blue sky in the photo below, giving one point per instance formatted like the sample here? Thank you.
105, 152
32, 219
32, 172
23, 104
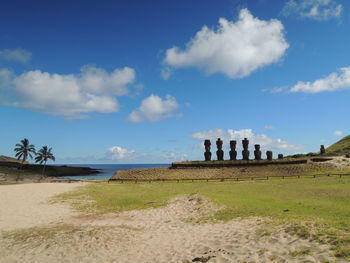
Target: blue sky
147, 81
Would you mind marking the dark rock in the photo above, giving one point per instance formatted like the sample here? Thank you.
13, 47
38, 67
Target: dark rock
202, 259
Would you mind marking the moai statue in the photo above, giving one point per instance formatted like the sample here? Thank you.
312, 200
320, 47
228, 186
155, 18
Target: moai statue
207, 153
257, 152
245, 152
219, 152
269, 155
322, 150
280, 156
233, 152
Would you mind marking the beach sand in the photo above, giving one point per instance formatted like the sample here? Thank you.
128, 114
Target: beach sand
35, 231
25, 205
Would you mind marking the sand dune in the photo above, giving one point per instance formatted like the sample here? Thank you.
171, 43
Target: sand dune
154, 235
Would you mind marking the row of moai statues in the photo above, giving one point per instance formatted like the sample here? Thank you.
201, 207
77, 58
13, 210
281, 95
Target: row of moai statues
233, 152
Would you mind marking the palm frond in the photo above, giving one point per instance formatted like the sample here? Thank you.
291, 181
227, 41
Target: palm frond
24, 149
44, 154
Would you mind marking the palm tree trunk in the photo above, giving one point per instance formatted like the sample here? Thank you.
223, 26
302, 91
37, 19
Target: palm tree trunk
44, 168
20, 168
22, 163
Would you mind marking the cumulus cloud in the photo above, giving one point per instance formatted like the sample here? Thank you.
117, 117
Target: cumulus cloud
235, 49
71, 96
334, 81
264, 140
5, 77
16, 55
313, 9
154, 108
338, 133
118, 153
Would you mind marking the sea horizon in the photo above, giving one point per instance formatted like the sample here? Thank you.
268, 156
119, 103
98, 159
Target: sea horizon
108, 170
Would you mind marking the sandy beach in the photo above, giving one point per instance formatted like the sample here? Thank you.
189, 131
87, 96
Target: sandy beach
25, 205
33, 230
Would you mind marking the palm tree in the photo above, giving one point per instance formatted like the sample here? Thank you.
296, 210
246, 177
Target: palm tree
43, 155
24, 150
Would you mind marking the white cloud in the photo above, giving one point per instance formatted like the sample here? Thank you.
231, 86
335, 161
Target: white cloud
98, 81
17, 55
268, 127
71, 96
154, 108
275, 90
5, 77
338, 133
118, 153
210, 134
235, 49
264, 140
313, 9
332, 82
166, 73
173, 157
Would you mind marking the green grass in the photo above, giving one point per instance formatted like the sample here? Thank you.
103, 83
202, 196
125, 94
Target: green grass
314, 208
341, 147
326, 198
39, 234
301, 252
50, 235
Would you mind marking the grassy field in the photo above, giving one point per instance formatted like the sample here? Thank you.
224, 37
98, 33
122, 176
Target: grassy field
341, 147
322, 202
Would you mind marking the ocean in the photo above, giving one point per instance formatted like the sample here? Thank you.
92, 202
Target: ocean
108, 170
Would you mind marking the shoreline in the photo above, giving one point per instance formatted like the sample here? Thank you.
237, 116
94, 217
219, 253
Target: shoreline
14, 172
50, 170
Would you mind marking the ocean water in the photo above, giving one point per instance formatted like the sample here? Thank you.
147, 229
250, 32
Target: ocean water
108, 170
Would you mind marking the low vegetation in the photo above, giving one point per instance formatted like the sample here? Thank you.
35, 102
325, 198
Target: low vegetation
326, 198
314, 208
11, 176
50, 235
285, 170
342, 147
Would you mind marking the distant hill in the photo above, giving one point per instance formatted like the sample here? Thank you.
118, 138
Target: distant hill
341, 147
10, 159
